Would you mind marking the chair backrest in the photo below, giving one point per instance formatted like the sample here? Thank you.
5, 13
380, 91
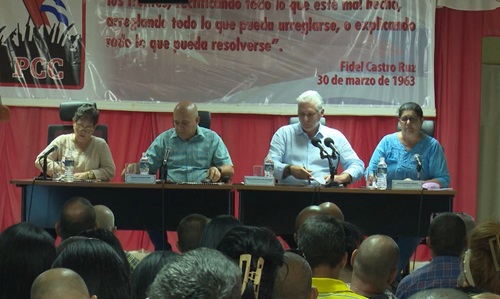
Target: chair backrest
427, 127
66, 112
205, 119
295, 119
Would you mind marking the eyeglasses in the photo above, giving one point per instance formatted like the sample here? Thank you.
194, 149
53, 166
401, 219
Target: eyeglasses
405, 119
84, 129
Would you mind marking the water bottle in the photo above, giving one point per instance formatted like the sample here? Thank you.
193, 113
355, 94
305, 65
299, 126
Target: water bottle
382, 174
69, 166
144, 164
268, 166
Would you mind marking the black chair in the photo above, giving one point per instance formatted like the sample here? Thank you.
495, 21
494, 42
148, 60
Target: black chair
205, 119
427, 127
66, 112
295, 119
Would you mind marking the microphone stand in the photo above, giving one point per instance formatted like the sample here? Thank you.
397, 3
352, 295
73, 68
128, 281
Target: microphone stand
331, 166
419, 169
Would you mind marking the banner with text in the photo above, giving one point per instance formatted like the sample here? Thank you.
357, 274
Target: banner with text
233, 54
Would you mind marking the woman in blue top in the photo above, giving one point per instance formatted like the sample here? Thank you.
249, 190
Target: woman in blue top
400, 150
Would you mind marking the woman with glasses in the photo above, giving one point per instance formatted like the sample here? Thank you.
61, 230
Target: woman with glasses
401, 149
93, 160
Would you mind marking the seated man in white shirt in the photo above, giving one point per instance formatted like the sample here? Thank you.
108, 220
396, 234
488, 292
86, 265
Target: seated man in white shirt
297, 160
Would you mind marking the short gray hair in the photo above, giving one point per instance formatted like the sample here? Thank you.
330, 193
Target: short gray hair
202, 273
311, 96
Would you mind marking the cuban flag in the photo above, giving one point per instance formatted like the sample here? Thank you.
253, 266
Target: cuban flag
38, 10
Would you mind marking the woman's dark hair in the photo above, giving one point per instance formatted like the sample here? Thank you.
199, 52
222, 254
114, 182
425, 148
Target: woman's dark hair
215, 230
411, 106
258, 242
104, 272
110, 239
87, 112
26, 251
146, 271
353, 238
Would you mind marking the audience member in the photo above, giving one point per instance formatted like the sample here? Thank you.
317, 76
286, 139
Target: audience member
375, 264
332, 209
322, 240
93, 160
106, 220
102, 269
77, 214
353, 237
481, 264
189, 232
296, 160
110, 239
260, 244
439, 293
216, 228
146, 271
26, 250
447, 241
60, 283
200, 273
294, 279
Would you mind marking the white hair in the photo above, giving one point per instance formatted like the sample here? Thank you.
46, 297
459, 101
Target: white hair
311, 96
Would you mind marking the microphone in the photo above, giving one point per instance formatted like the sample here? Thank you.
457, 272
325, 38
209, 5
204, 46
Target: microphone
317, 143
164, 166
329, 142
419, 164
48, 151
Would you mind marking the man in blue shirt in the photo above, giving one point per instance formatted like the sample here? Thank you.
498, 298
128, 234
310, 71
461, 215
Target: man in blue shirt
447, 240
297, 160
196, 153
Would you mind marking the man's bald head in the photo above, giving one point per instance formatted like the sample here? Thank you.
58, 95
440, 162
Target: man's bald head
105, 218
294, 279
59, 283
331, 209
305, 214
375, 261
77, 215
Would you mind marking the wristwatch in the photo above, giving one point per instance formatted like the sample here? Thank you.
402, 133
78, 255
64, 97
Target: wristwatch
91, 175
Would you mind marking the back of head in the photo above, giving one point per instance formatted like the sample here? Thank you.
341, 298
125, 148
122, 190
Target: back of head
447, 235
26, 250
146, 271
332, 209
353, 238
322, 240
216, 229
77, 215
440, 294
105, 218
189, 231
375, 261
294, 278
59, 283
484, 247
305, 214
109, 238
104, 272
201, 273
259, 243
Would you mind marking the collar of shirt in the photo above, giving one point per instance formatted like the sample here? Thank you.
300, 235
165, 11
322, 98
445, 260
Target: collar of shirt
320, 134
199, 134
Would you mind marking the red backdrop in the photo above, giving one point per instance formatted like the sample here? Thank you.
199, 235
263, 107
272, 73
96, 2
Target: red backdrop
458, 82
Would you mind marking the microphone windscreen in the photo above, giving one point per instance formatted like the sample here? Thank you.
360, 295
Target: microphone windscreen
316, 141
329, 141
